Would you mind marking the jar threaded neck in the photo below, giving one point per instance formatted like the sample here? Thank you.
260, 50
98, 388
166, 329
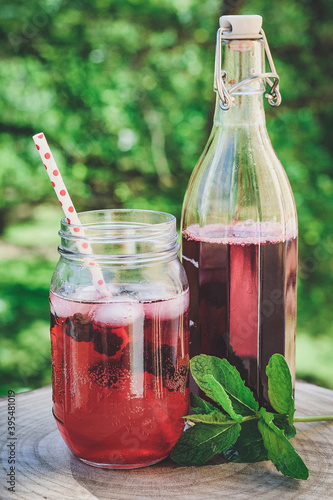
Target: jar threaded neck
120, 236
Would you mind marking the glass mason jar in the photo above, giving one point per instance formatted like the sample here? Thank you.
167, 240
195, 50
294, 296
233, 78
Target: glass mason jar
120, 358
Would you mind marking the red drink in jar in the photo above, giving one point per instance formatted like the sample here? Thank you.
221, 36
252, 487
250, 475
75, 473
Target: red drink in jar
120, 377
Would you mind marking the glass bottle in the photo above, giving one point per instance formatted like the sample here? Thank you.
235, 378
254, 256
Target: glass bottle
239, 222
120, 360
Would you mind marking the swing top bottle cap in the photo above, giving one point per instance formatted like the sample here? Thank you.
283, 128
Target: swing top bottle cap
241, 26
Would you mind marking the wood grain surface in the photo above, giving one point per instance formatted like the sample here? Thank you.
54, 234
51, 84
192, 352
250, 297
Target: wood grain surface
46, 469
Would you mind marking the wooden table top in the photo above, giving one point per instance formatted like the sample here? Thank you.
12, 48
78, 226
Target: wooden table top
46, 469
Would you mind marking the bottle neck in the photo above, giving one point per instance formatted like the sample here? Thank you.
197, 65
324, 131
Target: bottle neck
241, 60
247, 110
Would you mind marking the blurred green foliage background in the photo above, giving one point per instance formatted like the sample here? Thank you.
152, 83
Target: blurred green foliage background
123, 89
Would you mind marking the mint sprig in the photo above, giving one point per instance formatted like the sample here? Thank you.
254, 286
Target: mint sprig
241, 430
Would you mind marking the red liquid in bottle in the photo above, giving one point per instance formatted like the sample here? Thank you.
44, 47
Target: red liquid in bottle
120, 378
242, 297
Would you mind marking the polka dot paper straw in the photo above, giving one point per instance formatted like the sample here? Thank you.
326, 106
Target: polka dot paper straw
69, 210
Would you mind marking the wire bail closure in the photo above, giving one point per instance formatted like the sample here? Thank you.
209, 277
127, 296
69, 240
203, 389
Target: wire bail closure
220, 76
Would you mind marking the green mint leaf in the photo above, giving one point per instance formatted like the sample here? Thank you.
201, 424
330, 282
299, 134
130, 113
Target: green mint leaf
219, 395
241, 397
282, 422
280, 451
249, 447
280, 387
216, 417
202, 441
198, 405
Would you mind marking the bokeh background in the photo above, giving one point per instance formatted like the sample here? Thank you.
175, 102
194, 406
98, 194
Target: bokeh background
123, 89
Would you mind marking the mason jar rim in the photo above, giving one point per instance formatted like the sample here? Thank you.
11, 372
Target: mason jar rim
121, 235
169, 218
